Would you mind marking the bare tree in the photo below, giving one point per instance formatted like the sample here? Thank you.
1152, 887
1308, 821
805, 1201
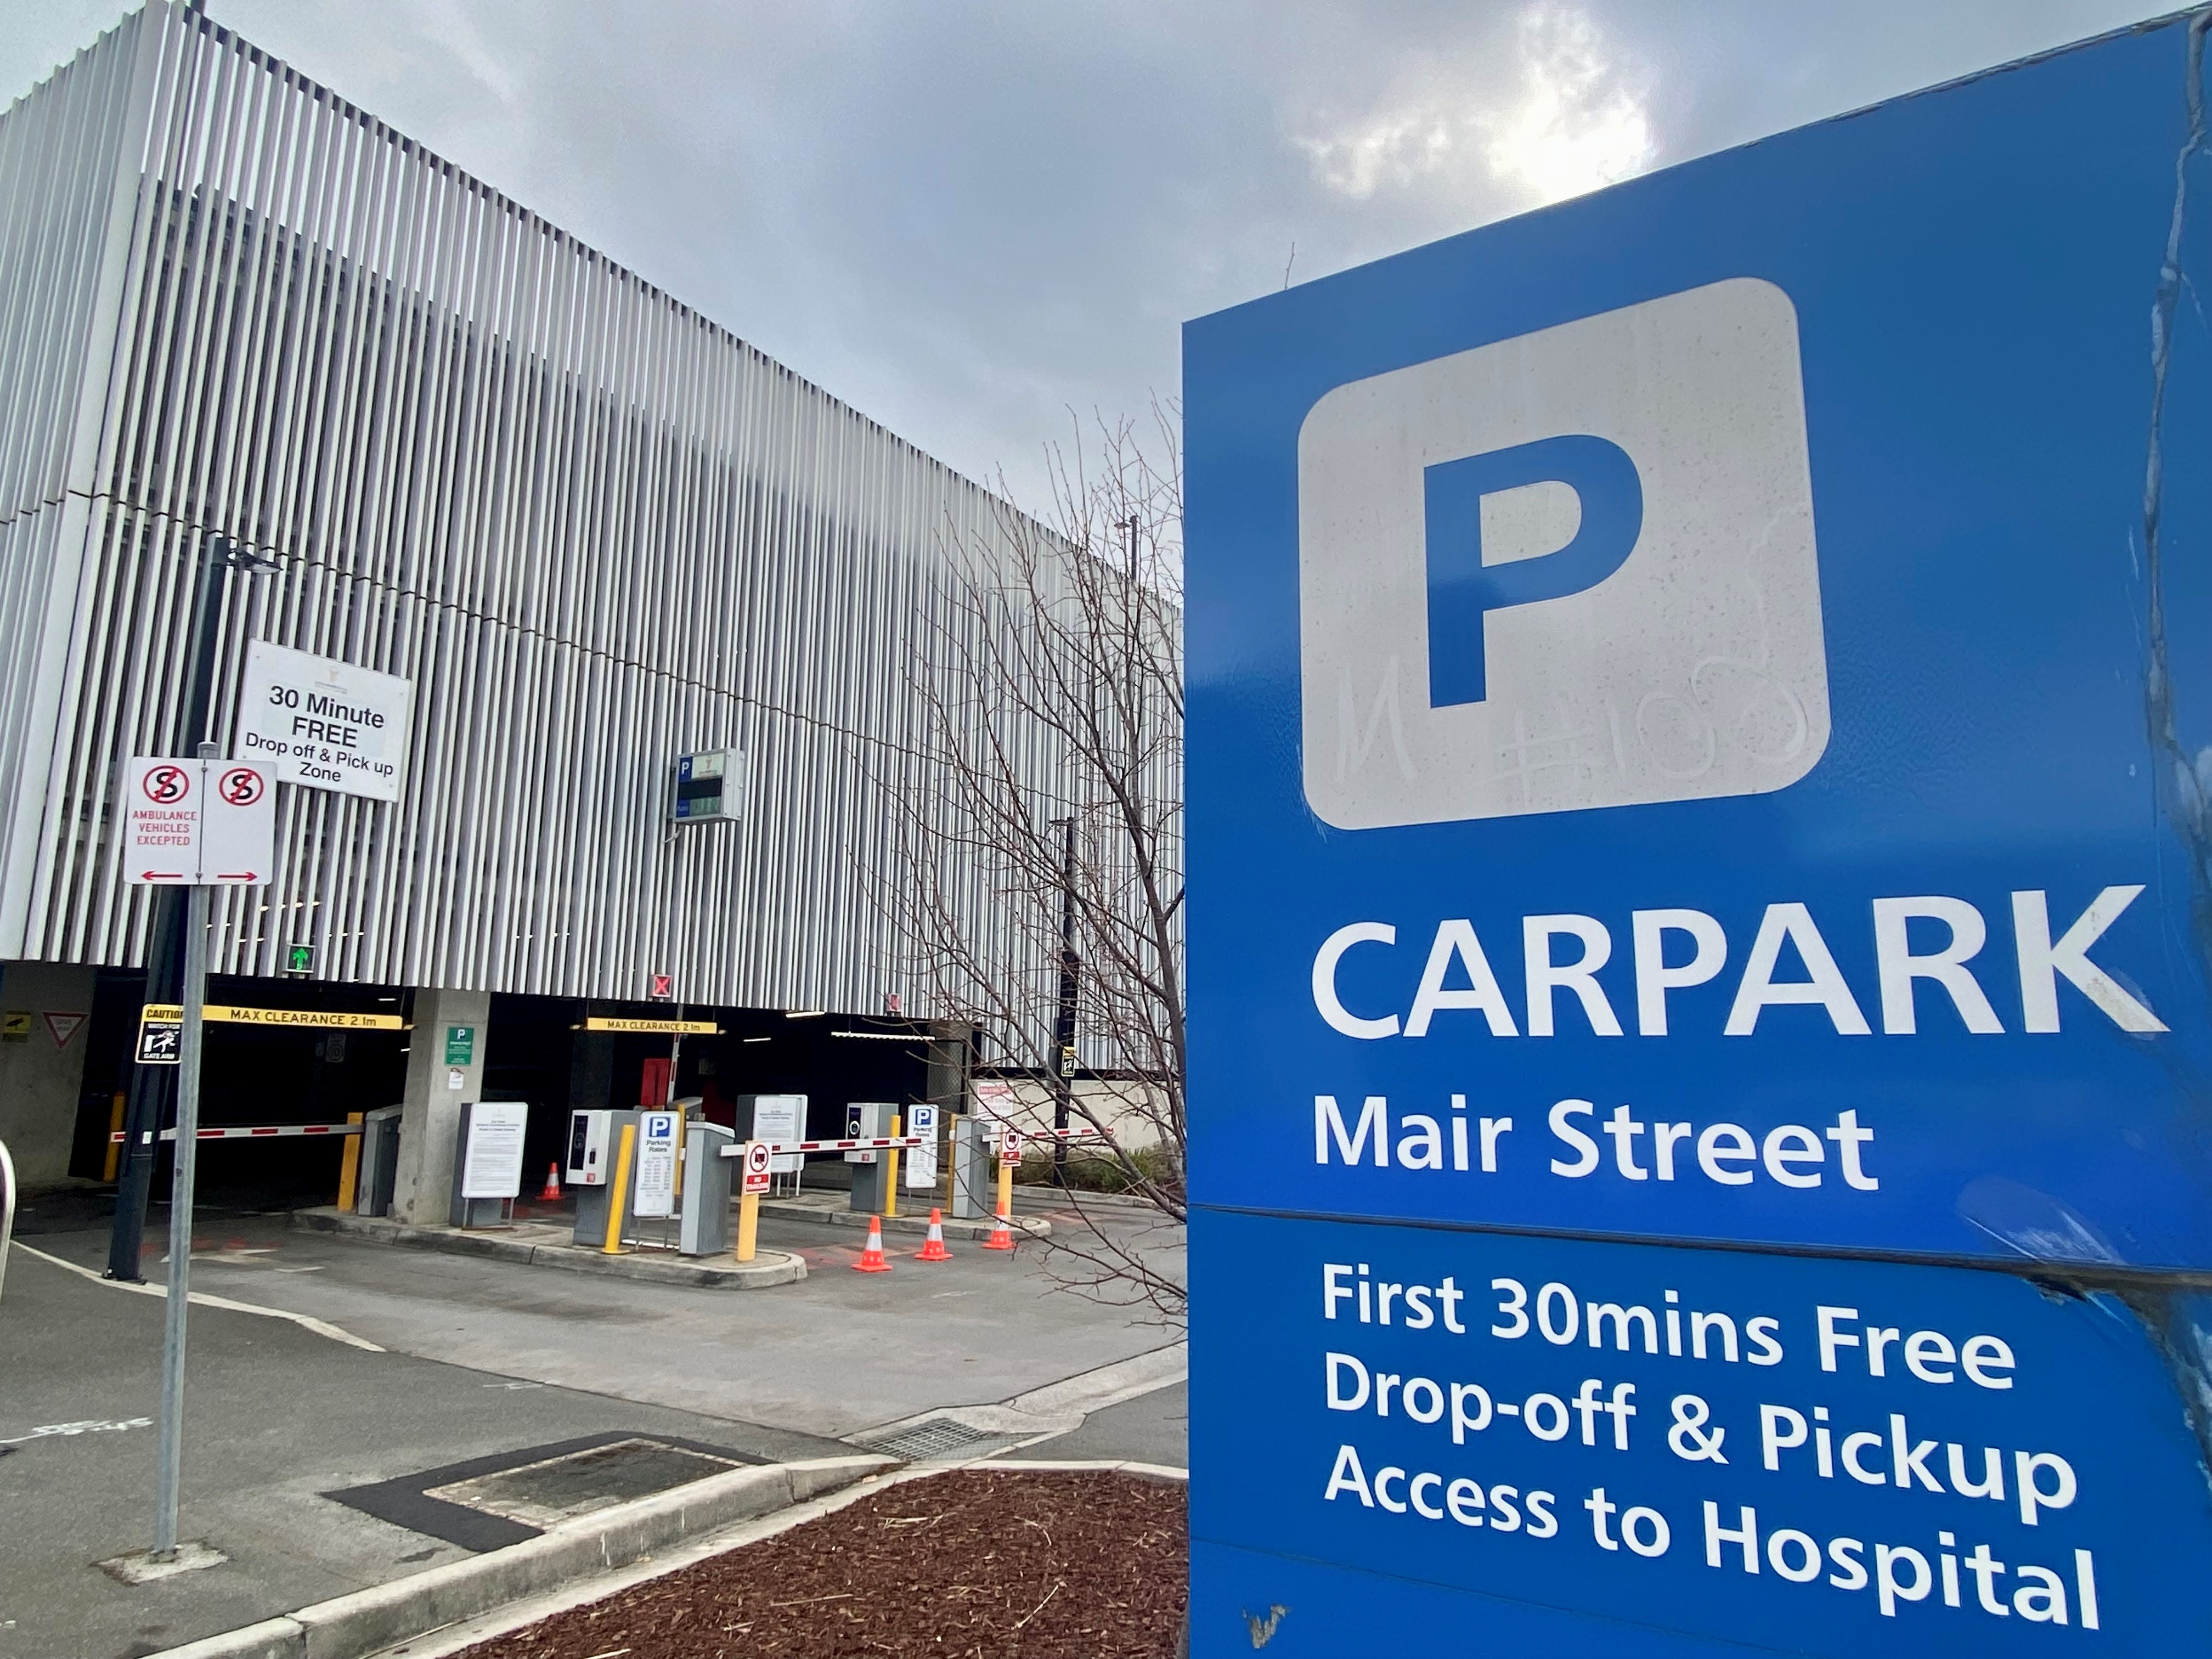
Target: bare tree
1049, 679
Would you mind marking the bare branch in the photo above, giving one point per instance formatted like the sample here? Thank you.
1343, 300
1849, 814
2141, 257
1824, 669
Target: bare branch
1049, 669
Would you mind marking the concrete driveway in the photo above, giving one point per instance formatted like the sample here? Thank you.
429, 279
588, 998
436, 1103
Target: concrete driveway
479, 1357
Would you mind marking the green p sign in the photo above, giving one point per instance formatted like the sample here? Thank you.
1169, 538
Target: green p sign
460, 1044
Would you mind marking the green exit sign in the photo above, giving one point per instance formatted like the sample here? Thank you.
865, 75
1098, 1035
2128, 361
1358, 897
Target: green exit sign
460, 1044
299, 959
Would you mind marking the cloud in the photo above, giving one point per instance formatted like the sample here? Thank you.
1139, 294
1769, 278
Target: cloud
967, 220
1570, 119
1581, 123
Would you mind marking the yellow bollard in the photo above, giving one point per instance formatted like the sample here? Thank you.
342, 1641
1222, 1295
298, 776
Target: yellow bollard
350, 1165
1006, 1191
618, 1198
747, 1225
890, 1174
748, 1199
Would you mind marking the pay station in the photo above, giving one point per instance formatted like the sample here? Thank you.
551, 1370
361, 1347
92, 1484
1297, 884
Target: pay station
869, 1120
626, 1164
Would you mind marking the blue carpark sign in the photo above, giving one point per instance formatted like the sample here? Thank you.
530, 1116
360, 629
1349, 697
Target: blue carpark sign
1701, 731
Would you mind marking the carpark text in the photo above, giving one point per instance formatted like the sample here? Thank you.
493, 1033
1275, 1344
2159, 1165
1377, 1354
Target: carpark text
1945, 964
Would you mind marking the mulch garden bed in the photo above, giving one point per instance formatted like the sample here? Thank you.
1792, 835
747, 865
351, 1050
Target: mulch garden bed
1047, 1564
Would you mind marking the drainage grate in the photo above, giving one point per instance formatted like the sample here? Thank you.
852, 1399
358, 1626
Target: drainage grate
579, 1483
472, 1505
939, 1437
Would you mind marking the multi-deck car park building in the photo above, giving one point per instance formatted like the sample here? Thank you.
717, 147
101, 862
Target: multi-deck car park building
592, 530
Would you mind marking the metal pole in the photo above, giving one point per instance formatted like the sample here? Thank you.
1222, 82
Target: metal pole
142, 1119
1063, 1025
6, 1207
170, 1428
683, 1133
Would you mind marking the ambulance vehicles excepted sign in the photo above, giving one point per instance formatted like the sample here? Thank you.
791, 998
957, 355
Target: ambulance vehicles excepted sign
205, 822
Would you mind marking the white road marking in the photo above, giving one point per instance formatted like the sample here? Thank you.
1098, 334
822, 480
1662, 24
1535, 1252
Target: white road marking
95, 1426
200, 1299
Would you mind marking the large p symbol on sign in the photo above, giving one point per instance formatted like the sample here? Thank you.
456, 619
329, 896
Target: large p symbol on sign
1463, 589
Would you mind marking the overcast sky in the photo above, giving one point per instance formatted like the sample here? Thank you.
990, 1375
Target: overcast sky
967, 219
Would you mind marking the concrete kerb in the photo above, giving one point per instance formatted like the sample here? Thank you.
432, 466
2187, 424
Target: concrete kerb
445, 1643
368, 1621
541, 1247
1044, 1413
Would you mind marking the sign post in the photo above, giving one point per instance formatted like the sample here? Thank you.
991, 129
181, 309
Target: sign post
1010, 1159
1696, 1140
201, 824
756, 1177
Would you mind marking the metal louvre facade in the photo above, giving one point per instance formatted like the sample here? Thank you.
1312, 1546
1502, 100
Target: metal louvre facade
594, 529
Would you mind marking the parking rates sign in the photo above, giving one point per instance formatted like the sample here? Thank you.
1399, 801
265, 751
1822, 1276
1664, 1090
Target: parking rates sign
1700, 783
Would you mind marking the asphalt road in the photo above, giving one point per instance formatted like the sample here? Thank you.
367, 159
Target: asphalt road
484, 1357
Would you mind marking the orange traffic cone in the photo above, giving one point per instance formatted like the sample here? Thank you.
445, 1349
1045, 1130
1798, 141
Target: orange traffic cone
932, 1247
872, 1259
552, 1192
1002, 1236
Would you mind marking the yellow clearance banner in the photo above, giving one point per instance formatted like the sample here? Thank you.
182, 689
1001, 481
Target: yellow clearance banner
664, 1027
218, 1013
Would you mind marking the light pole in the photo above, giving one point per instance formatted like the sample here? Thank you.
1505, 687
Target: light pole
221, 557
165, 958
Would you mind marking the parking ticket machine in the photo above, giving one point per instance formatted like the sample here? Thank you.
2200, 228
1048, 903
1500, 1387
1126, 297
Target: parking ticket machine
869, 1120
589, 1162
594, 1147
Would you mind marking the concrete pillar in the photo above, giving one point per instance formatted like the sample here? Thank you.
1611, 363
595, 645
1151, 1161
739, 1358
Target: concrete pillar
449, 1028
46, 1016
591, 1071
951, 1057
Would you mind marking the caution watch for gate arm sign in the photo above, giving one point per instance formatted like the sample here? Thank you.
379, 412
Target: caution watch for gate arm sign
160, 1041
1697, 768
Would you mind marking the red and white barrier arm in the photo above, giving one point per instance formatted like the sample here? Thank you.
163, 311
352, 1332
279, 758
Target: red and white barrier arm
1074, 1132
862, 1145
254, 1131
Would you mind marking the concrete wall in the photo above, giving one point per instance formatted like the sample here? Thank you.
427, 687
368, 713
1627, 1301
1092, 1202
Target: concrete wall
45, 1016
1128, 1111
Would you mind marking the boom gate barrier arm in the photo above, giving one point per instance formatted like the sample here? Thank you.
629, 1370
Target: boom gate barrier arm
757, 1154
